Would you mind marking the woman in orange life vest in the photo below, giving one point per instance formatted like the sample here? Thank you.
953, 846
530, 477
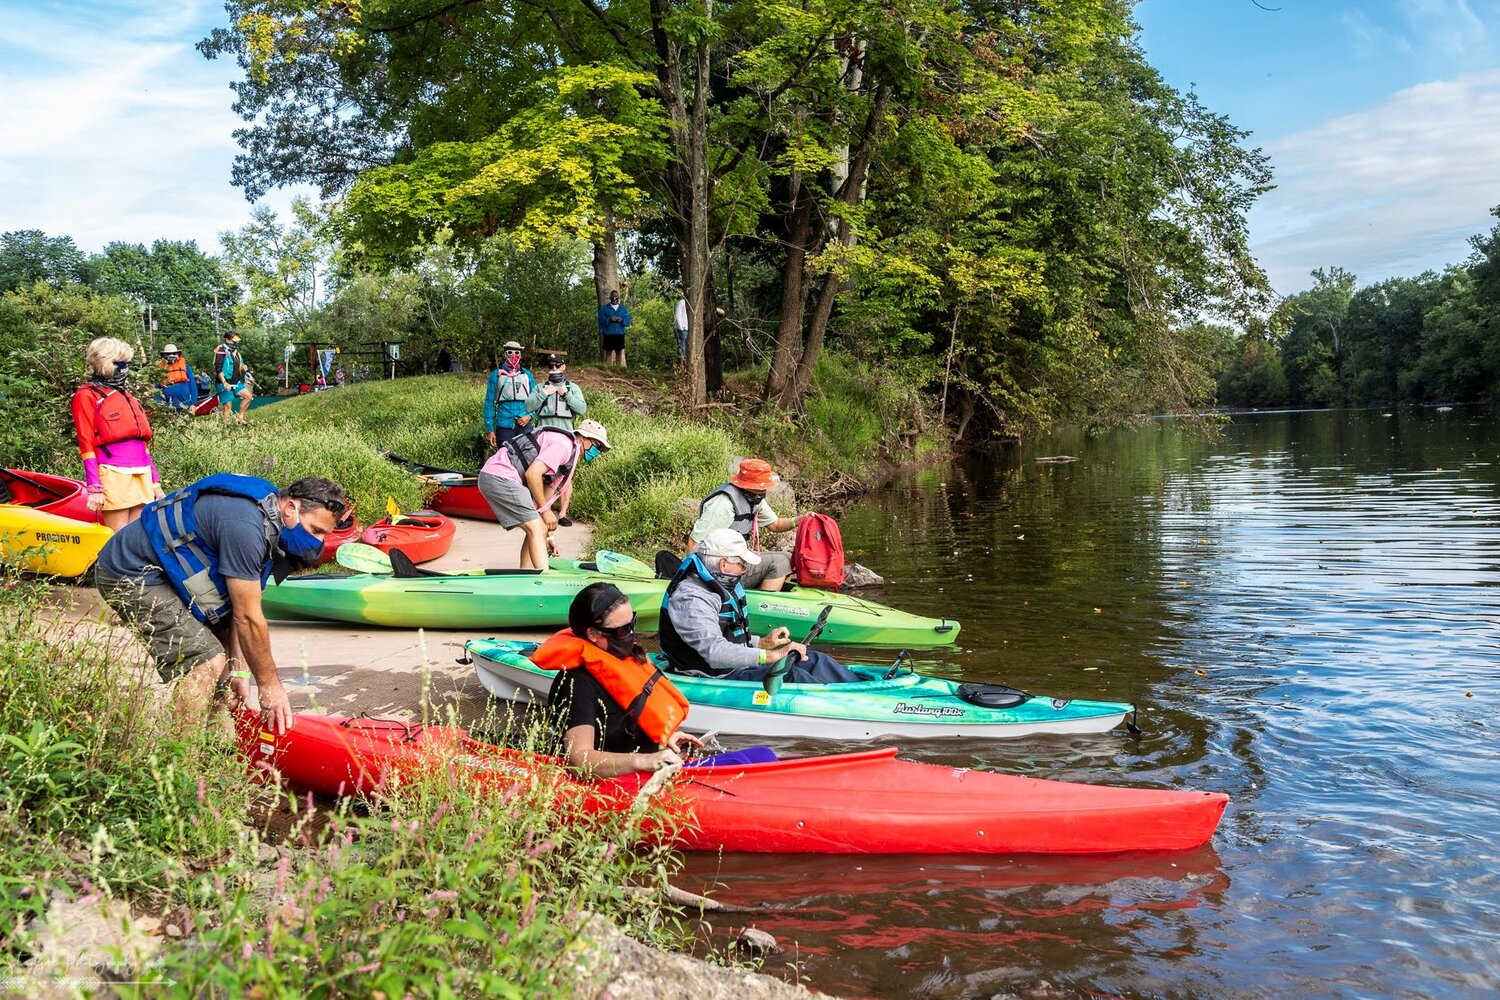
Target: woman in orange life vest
601, 670
113, 435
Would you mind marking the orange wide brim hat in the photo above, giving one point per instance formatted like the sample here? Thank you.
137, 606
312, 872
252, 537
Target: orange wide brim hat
755, 475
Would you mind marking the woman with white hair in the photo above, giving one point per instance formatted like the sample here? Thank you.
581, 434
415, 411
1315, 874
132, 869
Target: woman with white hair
113, 437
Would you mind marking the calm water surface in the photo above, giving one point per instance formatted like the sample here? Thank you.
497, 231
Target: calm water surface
1307, 611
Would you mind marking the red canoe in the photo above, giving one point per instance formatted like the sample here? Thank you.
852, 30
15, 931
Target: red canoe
52, 494
857, 803
423, 536
206, 406
458, 492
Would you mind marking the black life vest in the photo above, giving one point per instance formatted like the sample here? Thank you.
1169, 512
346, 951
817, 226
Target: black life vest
745, 521
524, 448
734, 620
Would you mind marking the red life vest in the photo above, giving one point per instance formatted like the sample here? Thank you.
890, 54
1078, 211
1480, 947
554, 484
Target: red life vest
818, 552
652, 702
117, 416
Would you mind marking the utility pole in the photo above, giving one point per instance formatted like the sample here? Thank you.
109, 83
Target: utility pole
216, 315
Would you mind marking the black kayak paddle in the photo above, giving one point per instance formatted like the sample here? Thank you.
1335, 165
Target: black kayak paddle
772, 681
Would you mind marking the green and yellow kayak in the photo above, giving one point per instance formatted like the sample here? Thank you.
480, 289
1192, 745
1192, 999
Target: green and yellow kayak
852, 622
493, 599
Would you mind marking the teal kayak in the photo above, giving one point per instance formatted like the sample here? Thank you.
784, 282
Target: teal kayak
891, 701
852, 621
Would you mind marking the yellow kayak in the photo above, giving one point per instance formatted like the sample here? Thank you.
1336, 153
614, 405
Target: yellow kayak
39, 542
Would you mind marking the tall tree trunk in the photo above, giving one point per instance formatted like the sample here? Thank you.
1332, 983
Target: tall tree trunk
713, 354
687, 187
606, 260
793, 293
851, 193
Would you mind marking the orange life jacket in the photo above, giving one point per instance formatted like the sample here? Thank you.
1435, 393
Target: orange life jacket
117, 416
175, 372
652, 702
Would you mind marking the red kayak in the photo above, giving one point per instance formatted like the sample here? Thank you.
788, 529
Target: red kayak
857, 803
458, 492
423, 536
206, 406
47, 493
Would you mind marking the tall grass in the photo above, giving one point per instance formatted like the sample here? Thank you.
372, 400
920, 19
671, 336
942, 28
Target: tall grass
441, 888
630, 494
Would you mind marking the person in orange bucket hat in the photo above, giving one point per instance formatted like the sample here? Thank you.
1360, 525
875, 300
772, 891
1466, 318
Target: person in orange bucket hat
741, 504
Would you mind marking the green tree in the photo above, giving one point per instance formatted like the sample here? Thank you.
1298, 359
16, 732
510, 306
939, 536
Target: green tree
277, 265
184, 288
1314, 347
30, 255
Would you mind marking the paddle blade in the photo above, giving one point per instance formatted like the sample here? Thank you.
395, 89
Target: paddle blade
772, 681
362, 558
619, 564
393, 510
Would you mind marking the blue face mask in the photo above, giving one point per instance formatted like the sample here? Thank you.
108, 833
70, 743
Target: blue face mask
301, 544
591, 454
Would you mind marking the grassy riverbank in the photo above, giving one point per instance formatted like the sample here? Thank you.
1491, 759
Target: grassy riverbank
233, 889
858, 424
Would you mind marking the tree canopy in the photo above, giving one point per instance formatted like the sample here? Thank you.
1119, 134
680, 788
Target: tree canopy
1004, 196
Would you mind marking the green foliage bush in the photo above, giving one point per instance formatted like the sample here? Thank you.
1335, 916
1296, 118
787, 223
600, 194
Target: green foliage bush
443, 888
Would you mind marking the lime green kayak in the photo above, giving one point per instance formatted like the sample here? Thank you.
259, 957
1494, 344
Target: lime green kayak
852, 622
504, 599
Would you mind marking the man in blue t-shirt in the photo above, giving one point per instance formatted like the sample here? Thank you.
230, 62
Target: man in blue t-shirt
249, 543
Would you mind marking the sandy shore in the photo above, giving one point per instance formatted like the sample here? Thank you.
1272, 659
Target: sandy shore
348, 669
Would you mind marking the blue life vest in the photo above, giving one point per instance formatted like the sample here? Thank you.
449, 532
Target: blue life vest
191, 567
734, 620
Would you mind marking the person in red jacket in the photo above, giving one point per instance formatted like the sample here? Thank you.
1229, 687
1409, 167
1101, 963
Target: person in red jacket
114, 437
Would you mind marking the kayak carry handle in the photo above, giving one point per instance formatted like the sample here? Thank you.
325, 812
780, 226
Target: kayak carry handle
943, 628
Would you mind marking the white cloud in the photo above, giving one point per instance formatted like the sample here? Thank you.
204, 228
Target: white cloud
115, 127
1391, 190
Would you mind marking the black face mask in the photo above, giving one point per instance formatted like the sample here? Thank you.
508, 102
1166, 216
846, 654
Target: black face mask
557, 378
621, 647
754, 498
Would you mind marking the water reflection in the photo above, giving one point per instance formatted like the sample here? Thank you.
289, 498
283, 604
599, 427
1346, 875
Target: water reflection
1306, 611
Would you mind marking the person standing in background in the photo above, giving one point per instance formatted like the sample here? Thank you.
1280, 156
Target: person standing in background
555, 403
178, 390
680, 325
113, 437
229, 377
506, 396
613, 319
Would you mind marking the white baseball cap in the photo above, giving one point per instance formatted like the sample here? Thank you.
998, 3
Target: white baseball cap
722, 543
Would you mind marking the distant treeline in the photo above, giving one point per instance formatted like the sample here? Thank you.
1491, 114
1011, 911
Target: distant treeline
1432, 338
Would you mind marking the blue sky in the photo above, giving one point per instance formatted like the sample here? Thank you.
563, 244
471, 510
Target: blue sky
1382, 118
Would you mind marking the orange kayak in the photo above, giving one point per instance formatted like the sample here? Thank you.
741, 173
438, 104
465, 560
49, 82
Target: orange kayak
856, 803
422, 536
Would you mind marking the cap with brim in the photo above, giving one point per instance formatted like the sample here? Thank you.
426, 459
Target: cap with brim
554, 357
726, 543
594, 429
170, 349
511, 345
755, 475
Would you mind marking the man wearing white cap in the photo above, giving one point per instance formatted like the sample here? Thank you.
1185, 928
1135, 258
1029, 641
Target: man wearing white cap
705, 626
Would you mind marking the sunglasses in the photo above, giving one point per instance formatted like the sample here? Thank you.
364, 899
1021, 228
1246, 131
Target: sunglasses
555, 365
619, 631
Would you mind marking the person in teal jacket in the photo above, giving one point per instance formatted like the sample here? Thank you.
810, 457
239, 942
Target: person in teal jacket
506, 397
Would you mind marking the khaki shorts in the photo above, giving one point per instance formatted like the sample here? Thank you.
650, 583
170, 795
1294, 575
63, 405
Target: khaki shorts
511, 502
178, 641
124, 490
772, 565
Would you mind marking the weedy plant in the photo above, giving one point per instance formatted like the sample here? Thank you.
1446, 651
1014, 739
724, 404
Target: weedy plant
441, 887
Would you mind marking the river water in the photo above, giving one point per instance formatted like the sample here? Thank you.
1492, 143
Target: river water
1307, 611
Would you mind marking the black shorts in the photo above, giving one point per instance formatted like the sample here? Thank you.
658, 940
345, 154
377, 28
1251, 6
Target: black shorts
611, 342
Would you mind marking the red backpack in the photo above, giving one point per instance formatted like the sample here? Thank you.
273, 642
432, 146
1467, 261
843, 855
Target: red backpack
818, 552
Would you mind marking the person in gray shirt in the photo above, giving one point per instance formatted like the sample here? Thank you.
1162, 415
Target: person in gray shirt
704, 624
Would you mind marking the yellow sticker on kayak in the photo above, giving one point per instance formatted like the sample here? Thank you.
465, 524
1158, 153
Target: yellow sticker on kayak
761, 698
268, 737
